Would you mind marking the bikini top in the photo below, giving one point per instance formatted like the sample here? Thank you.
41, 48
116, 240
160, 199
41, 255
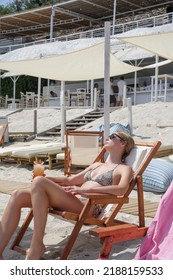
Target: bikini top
104, 179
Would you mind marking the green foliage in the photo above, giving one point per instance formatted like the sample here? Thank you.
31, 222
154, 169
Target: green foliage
20, 5
24, 83
4, 10
17, 6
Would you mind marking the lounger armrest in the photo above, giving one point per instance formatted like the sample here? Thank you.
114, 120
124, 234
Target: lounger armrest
105, 198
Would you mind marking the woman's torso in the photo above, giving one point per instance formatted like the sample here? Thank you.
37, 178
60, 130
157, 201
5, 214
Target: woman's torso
99, 175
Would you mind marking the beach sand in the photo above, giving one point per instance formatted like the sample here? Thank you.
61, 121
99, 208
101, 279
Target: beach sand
152, 121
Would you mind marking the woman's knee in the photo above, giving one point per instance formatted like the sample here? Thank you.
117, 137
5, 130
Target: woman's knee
18, 197
37, 184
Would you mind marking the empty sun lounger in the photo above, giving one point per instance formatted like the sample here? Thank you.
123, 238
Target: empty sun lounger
28, 153
3, 128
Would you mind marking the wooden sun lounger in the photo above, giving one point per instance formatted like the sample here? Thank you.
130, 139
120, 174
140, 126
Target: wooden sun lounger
110, 230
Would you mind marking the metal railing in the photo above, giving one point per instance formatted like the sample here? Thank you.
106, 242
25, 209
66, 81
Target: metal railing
119, 28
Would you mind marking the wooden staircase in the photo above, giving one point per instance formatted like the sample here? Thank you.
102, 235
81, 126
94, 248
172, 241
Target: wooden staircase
74, 123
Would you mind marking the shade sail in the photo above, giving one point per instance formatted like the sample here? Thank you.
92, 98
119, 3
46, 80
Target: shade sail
160, 44
83, 64
75, 60
9, 74
48, 49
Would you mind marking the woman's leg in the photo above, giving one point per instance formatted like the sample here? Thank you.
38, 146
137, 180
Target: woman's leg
45, 194
11, 216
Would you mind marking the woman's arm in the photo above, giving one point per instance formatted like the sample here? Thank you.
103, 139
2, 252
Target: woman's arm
62, 181
73, 180
125, 174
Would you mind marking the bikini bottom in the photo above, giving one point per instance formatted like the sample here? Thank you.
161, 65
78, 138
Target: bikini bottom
97, 210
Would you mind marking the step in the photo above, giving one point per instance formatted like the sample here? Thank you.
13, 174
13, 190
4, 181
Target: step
74, 123
80, 120
42, 138
90, 119
95, 115
70, 127
53, 133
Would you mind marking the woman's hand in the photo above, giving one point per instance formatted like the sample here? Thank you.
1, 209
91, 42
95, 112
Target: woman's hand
33, 176
74, 190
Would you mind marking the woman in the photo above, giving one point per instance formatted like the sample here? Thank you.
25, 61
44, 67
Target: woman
112, 177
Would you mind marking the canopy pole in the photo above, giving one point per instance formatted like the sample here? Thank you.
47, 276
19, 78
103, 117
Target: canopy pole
107, 80
156, 79
63, 111
35, 122
0, 83
48, 88
165, 89
14, 91
51, 23
39, 92
129, 106
95, 99
87, 89
51, 39
135, 84
114, 16
124, 96
92, 94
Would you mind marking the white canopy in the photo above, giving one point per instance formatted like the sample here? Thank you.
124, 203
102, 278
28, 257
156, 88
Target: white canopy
10, 74
75, 60
132, 53
83, 64
160, 44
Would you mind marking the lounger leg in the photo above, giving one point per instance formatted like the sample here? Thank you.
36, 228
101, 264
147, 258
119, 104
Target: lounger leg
15, 246
140, 202
75, 231
106, 248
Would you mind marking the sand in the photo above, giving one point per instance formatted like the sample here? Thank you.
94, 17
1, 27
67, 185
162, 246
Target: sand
152, 121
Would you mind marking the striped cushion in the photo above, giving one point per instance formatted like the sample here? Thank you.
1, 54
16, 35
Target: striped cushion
158, 176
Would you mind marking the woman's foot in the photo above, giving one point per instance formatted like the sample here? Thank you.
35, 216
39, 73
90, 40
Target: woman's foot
36, 254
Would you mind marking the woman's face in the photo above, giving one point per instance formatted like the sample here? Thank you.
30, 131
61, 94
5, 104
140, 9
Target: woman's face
114, 142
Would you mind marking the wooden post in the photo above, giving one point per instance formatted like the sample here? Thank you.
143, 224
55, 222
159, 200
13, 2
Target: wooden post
63, 111
35, 121
95, 99
129, 106
107, 80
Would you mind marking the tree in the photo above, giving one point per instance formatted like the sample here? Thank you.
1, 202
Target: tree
4, 10
24, 83
20, 5
16, 6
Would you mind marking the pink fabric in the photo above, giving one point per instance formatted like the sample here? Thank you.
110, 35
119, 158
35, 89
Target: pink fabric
158, 243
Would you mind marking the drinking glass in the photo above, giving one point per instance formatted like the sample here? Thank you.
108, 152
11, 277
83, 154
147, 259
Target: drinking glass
38, 169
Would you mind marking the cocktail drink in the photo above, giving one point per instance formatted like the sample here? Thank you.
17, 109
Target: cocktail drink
38, 168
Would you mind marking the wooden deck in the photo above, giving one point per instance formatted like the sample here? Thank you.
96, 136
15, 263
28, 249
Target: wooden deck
131, 208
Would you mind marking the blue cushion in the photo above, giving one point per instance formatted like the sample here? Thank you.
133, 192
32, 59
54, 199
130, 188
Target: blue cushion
120, 127
158, 176
116, 127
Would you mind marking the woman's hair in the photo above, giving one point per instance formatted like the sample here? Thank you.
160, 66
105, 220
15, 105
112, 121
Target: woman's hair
129, 142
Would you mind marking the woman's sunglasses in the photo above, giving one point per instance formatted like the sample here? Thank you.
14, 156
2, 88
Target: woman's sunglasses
114, 135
